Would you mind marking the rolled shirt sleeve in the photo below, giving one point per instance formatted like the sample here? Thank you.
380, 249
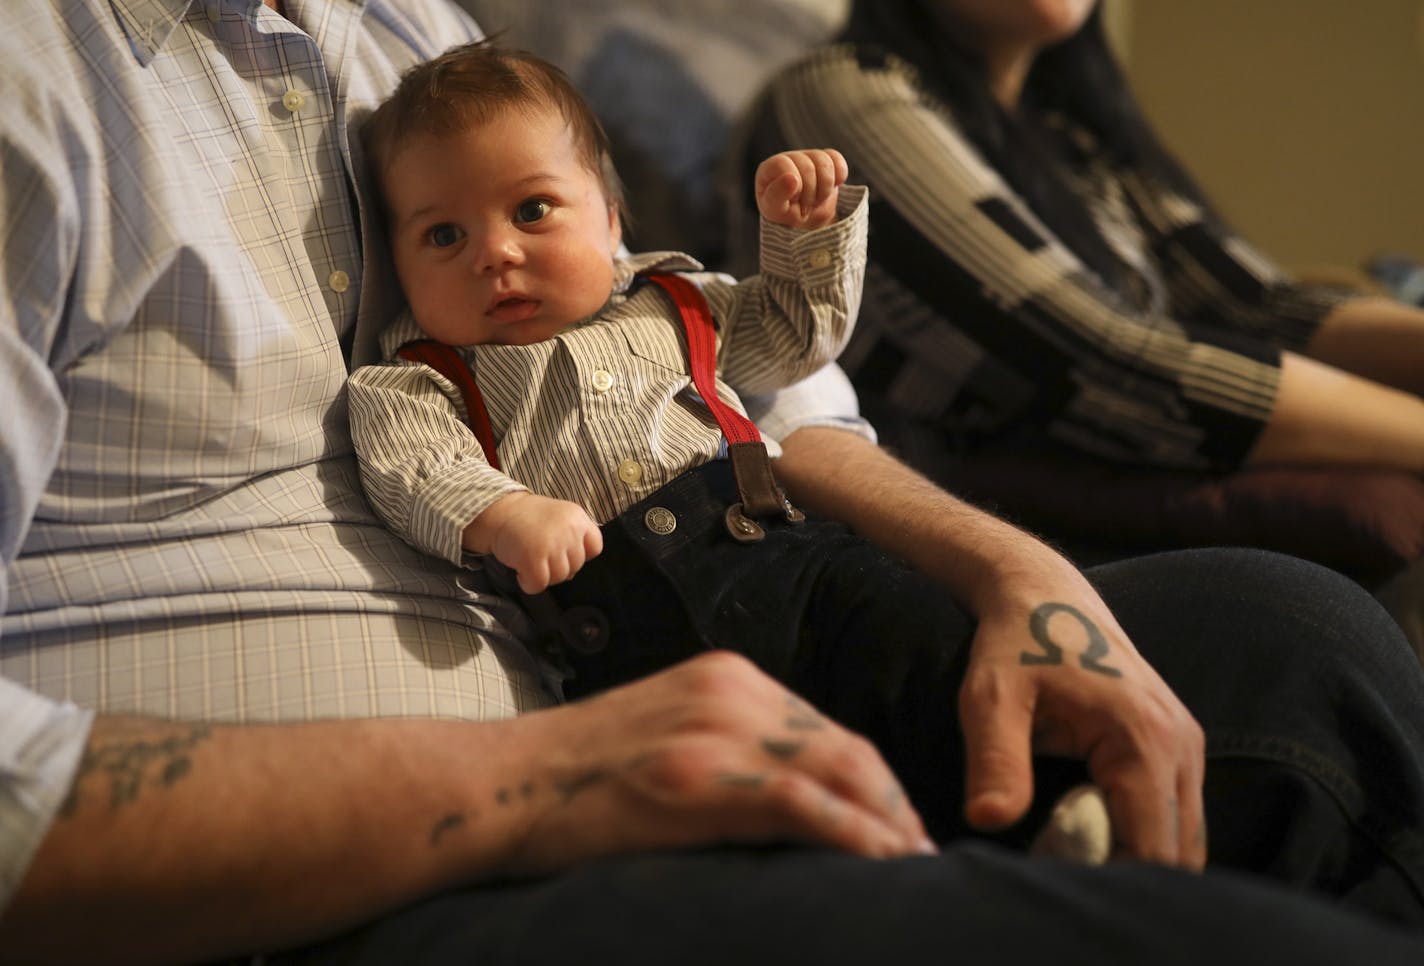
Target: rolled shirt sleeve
41, 742
824, 398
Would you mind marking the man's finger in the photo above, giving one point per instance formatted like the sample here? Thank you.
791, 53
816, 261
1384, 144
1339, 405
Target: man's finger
786, 803
1146, 813
850, 767
997, 726
1193, 831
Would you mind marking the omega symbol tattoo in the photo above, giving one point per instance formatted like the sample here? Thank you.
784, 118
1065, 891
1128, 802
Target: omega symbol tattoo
1090, 660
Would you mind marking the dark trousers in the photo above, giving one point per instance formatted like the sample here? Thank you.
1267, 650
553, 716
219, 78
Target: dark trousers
973, 905
1312, 703
1313, 707
858, 633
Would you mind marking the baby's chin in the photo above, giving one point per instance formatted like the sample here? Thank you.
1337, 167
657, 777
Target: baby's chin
530, 333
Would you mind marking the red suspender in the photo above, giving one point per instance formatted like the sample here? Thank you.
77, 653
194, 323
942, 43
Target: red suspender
448, 363
702, 355
761, 496
759, 492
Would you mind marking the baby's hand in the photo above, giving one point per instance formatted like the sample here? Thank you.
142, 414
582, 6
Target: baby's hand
799, 189
543, 540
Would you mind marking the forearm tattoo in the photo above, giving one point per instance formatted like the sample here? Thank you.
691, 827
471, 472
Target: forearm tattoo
145, 755
800, 717
509, 795
570, 787
1052, 653
446, 824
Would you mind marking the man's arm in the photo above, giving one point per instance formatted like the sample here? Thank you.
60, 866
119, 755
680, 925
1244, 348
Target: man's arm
185, 841
1142, 746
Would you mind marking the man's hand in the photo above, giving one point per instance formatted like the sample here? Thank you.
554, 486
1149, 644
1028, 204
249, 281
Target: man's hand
799, 189
1050, 671
543, 540
711, 750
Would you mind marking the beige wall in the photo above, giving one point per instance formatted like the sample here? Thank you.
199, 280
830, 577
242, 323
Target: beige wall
1302, 119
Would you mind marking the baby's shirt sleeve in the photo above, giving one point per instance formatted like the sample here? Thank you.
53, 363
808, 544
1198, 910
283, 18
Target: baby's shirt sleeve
797, 313
422, 468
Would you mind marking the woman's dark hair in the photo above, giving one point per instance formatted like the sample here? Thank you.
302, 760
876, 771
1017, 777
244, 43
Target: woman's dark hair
1078, 79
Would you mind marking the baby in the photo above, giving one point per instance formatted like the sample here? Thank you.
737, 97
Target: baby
541, 402
505, 226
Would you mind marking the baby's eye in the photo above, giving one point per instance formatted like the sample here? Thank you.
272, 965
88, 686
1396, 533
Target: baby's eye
531, 210
443, 236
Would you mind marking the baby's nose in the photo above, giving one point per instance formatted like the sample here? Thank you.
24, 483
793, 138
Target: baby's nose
498, 250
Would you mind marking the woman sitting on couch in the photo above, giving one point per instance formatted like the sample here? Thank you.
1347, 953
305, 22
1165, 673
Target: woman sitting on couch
1046, 279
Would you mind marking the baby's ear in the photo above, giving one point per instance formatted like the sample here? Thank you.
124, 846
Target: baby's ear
615, 223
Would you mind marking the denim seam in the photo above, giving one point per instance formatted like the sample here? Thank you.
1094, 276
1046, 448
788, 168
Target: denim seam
1402, 845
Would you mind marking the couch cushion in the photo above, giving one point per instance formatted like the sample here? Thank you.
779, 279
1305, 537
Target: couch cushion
1368, 523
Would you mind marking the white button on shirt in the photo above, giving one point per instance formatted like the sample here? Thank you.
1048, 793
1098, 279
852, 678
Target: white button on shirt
820, 258
602, 380
630, 471
293, 101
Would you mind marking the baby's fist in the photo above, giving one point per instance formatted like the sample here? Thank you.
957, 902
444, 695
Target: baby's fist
799, 189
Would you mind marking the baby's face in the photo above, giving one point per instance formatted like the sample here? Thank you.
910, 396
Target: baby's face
500, 234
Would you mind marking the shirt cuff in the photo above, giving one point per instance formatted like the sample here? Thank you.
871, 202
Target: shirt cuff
41, 742
446, 504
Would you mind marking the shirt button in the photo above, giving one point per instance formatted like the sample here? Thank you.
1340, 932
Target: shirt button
339, 281
630, 472
602, 380
293, 101
820, 258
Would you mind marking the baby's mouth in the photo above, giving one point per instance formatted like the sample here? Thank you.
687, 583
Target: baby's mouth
513, 308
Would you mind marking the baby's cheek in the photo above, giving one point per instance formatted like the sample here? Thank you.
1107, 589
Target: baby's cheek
453, 321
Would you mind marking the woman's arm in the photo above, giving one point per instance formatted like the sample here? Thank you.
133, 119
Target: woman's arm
962, 271
1327, 416
1378, 338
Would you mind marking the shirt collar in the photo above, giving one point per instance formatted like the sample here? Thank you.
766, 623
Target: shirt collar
627, 267
148, 23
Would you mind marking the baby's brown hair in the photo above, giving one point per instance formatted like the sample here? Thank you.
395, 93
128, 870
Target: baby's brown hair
468, 85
